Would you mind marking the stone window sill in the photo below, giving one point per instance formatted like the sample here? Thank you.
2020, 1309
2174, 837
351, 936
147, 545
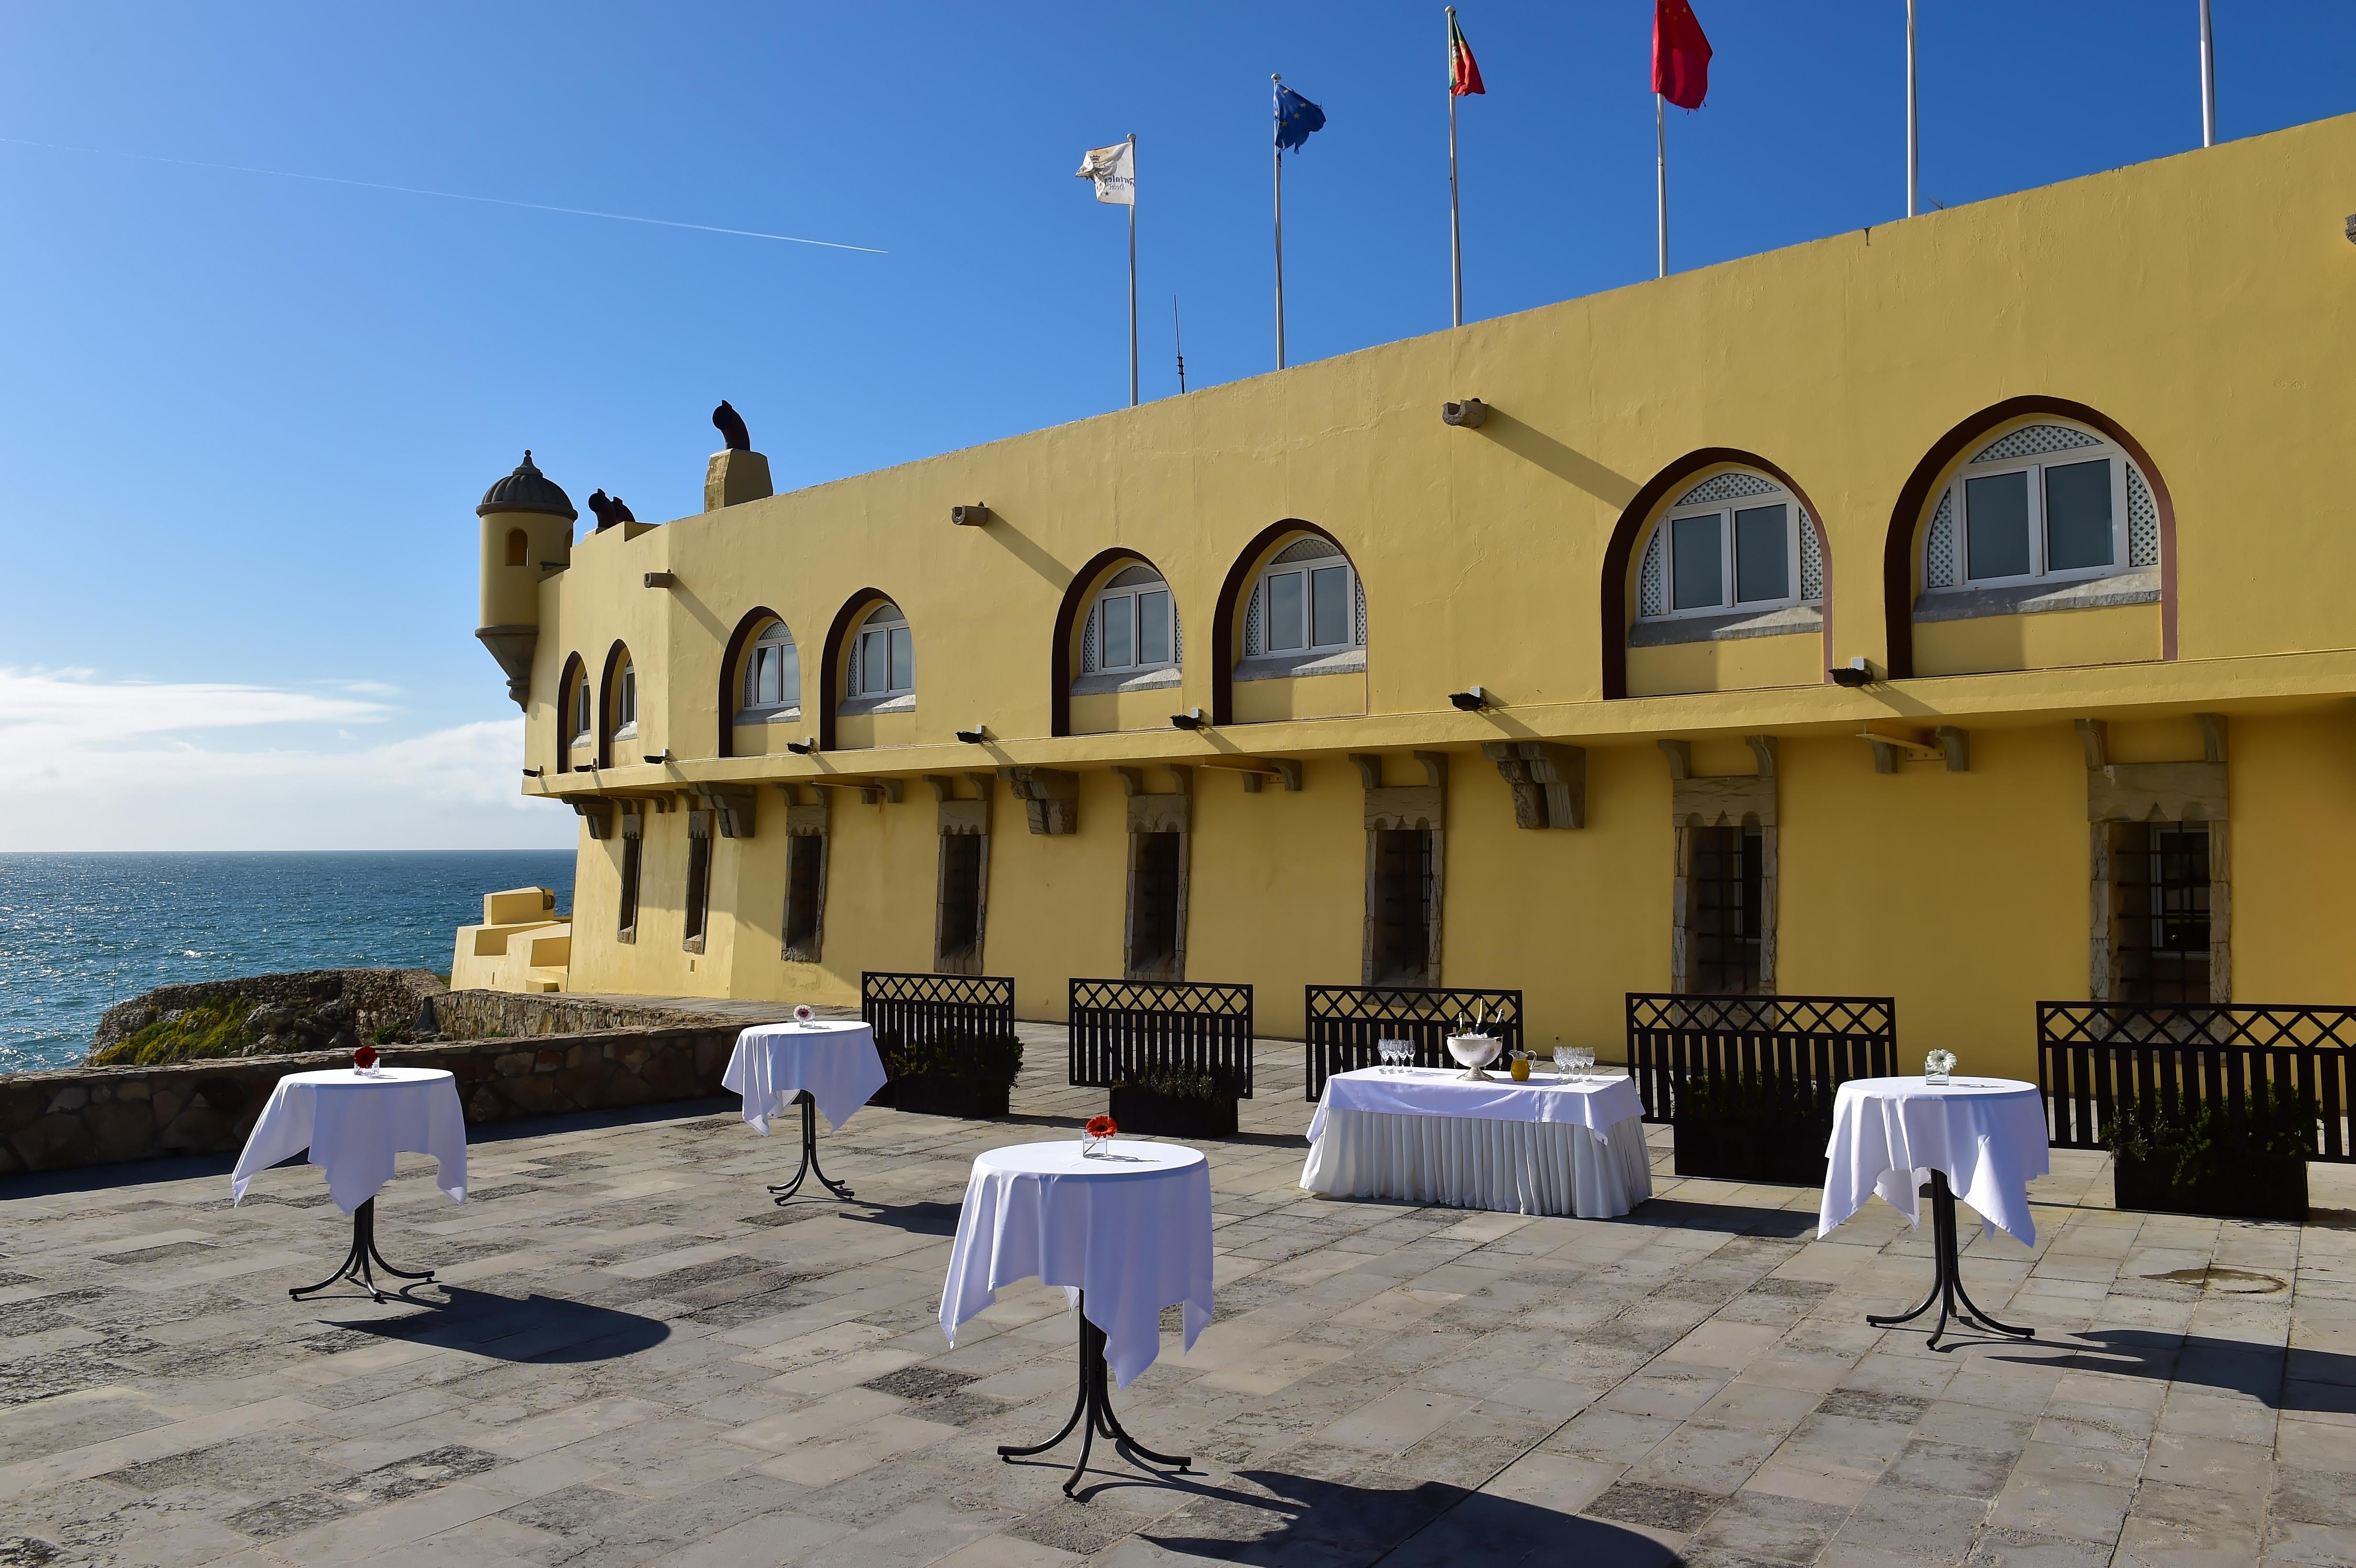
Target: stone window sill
627, 732
1126, 680
853, 706
2140, 586
768, 715
1792, 620
1286, 667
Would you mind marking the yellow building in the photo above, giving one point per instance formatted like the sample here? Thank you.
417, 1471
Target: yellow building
1949, 611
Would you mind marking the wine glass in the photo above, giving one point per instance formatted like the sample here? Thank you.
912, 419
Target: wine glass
1396, 1053
1583, 1059
1565, 1059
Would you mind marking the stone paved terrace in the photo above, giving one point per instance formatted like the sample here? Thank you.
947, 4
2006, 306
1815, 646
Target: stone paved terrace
639, 1359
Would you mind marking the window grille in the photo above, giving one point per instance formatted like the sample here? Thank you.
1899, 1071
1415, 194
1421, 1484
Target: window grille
1310, 549
1730, 486
1255, 624
1812, 563
1939, 549
852, 673
1088, 643
1724, 916
1358, 628
1403, 897
2160, 925
1652, 577
2035, 441
2143, 522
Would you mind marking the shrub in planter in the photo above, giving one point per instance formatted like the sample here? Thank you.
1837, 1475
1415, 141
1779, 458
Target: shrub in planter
2206, 1156
958, 1072
1749, 1127
1173, 1103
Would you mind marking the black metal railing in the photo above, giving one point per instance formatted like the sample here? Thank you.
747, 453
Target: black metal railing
1126, 1028
1810, 1044
917, 1011
2093, 1056
1346, 1022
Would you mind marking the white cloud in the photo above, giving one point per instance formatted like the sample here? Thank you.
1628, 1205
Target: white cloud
88, 764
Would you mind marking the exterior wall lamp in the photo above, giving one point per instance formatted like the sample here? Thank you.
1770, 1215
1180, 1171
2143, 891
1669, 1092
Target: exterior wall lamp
1856, 672
975, 736
662, 756
1190, 719
1473, 700
803, 747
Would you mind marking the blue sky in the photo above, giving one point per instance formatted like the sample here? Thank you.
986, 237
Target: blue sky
245, 420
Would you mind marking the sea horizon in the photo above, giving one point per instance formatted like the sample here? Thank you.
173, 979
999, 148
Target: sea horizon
83, 929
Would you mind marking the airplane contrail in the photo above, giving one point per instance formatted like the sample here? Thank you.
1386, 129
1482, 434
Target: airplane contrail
445, 195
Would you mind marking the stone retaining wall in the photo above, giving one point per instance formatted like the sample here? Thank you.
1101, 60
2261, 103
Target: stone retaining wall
512, 1015
96, 1115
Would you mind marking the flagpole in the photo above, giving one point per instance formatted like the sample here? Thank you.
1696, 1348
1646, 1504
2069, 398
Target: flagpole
1132, 269
1455, 232
1913, 124
2208, 81
1661, 176
1279, 147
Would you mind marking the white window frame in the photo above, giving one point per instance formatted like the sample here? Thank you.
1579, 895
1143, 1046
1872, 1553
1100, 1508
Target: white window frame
881, 623
1958, 497
1126, 600
777, 638
1724, 512
1310, 646
626, 701
584, 717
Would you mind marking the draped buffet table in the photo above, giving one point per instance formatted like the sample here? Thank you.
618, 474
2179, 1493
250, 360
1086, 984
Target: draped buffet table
1546, 1146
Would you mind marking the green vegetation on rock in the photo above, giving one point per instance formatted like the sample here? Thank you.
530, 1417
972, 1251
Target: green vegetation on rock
214, 1026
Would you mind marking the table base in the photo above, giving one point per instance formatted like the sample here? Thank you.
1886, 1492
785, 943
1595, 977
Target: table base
1092, 1413
355, 1266
1947, 1293
809, 1165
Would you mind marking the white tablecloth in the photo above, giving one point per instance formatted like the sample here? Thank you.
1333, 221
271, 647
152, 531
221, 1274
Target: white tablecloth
354, 1125
1890, 1134
1595, 1104
1474, 1162
834, 1058
1132, 1232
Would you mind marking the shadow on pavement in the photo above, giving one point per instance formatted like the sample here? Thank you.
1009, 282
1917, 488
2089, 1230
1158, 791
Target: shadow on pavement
538, 1328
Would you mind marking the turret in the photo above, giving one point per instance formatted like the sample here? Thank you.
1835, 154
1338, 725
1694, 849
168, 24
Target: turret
527, 525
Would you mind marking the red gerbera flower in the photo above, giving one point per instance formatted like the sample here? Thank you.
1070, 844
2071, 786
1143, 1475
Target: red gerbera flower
1101, 1127
364, 1057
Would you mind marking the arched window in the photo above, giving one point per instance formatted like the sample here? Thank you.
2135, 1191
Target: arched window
1736, 542
2045, 501
773, 675
584, 718
626, 702
1308, 602
883, 661
518, 548
1132, 626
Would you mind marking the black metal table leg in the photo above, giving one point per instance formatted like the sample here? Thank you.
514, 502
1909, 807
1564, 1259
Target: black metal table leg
809, 1164
1947, 1293
356, 1264
1092, 1413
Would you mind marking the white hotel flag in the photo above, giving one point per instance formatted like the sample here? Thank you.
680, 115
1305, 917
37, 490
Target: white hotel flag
1114, 170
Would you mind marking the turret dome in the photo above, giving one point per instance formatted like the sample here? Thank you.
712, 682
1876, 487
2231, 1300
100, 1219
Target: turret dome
527, 490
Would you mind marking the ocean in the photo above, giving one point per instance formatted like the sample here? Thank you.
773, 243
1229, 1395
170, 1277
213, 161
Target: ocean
81, 933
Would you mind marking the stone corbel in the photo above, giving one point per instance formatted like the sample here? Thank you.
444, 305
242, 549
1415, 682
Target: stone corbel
1050, 797
1258, 770
1549, 781
1725, 800
733, 807
1949, 744
872, 791
1423, 806
960, 817
597, 815
804, 818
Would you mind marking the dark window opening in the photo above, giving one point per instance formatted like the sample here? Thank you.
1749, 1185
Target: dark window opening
2160, 923
1402, 897
804, 859
1724, 912
626, 922
518, 548
958, 949
699, 890
1153, 908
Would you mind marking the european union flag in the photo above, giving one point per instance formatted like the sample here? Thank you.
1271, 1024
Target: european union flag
1296, 117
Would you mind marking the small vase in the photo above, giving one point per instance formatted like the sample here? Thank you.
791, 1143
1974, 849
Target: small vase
1093, 1148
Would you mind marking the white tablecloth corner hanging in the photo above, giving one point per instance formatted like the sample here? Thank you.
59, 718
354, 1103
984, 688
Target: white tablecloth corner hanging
834, 1058
1988, 1135
1125, 1236
353, 1123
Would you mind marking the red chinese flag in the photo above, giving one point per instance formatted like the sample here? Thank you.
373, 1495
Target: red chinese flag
1681, 54
1463, 70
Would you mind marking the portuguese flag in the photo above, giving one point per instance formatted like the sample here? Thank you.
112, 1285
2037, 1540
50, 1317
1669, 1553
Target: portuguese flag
1463, 70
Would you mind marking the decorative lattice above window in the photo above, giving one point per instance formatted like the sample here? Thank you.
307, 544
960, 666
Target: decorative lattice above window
1812, 561
850, 671
1358, 625
1088, 643
2143, 522
1255, 624
1730, 486
2035, 441
1653, 577
1939, 546
1134, 576
1310, 549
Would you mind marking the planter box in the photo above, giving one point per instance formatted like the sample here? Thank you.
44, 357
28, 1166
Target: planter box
1751, 1148
2274, 1190
1172, 1116
931, 1094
